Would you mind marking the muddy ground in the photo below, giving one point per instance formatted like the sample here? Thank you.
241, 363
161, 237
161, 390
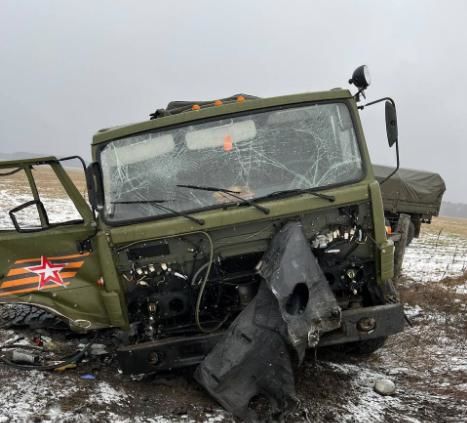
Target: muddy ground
428, 363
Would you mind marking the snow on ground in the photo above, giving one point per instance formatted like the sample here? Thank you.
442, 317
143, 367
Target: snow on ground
58, 209
428, 363
33, 396
435, 256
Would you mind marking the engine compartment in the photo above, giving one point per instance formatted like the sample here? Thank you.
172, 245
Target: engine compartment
199, 282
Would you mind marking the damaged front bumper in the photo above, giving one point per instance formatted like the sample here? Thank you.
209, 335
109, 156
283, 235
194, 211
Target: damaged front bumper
294, 309
365, 323
356, 325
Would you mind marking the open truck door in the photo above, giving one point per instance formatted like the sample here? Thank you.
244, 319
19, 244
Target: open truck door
48, 246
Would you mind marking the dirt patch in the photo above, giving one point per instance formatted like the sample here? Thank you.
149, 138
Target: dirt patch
445, 296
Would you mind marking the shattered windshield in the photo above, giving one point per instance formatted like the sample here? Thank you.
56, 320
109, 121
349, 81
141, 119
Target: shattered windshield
253, 155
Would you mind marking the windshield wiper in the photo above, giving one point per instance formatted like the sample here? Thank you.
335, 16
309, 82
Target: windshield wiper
157, 204
330, 198
228, 192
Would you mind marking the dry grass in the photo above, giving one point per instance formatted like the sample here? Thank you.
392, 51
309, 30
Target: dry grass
46, 181
452, 225
435, 346
436, 296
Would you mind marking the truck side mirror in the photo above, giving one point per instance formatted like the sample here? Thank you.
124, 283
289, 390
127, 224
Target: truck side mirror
94, 186
391, 123
30, 217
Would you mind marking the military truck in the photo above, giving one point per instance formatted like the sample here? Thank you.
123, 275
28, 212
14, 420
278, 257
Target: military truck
200, 212
417, 193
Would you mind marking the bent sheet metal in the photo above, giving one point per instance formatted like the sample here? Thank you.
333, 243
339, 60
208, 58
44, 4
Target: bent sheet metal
293, 306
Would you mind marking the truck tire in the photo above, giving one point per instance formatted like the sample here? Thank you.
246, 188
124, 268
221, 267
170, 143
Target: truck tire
24, 315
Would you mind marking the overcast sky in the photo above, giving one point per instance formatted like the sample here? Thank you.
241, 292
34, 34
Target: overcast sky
68, 68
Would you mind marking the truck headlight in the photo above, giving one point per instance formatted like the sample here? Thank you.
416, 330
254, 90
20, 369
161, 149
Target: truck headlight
361, 77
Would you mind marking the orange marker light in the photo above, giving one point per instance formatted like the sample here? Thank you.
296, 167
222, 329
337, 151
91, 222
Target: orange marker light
195, 107
228, 143
240, 98
218, 103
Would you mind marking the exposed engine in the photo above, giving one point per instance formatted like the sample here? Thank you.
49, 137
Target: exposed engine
198, 283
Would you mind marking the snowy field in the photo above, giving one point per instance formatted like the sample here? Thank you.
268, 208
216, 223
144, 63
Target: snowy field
428, 363
435, 256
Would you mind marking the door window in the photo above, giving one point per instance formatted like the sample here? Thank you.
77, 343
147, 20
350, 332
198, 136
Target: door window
57, 204
39, 206
14, 191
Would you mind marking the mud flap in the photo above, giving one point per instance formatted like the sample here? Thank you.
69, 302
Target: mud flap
293, 306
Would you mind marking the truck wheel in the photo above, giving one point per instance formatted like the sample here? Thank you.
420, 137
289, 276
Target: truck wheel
363, 347
411, 233
23, 315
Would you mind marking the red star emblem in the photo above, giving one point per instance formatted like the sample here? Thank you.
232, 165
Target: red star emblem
47, 271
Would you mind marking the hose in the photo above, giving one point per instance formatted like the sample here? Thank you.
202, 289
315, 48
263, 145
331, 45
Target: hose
208, 267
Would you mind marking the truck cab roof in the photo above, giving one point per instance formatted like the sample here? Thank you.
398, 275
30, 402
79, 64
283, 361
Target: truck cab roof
179, 112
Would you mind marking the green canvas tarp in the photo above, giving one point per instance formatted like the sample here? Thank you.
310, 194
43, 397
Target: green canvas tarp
411, 191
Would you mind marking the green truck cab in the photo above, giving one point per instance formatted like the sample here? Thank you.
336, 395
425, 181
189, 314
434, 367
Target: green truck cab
183, 208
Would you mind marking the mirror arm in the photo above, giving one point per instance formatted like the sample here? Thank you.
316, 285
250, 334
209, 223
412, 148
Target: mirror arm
397, 166
377, 101
360, 92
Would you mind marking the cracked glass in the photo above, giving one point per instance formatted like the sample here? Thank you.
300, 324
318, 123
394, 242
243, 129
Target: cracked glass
253, 155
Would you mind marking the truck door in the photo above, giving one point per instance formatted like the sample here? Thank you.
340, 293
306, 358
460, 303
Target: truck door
48, 247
